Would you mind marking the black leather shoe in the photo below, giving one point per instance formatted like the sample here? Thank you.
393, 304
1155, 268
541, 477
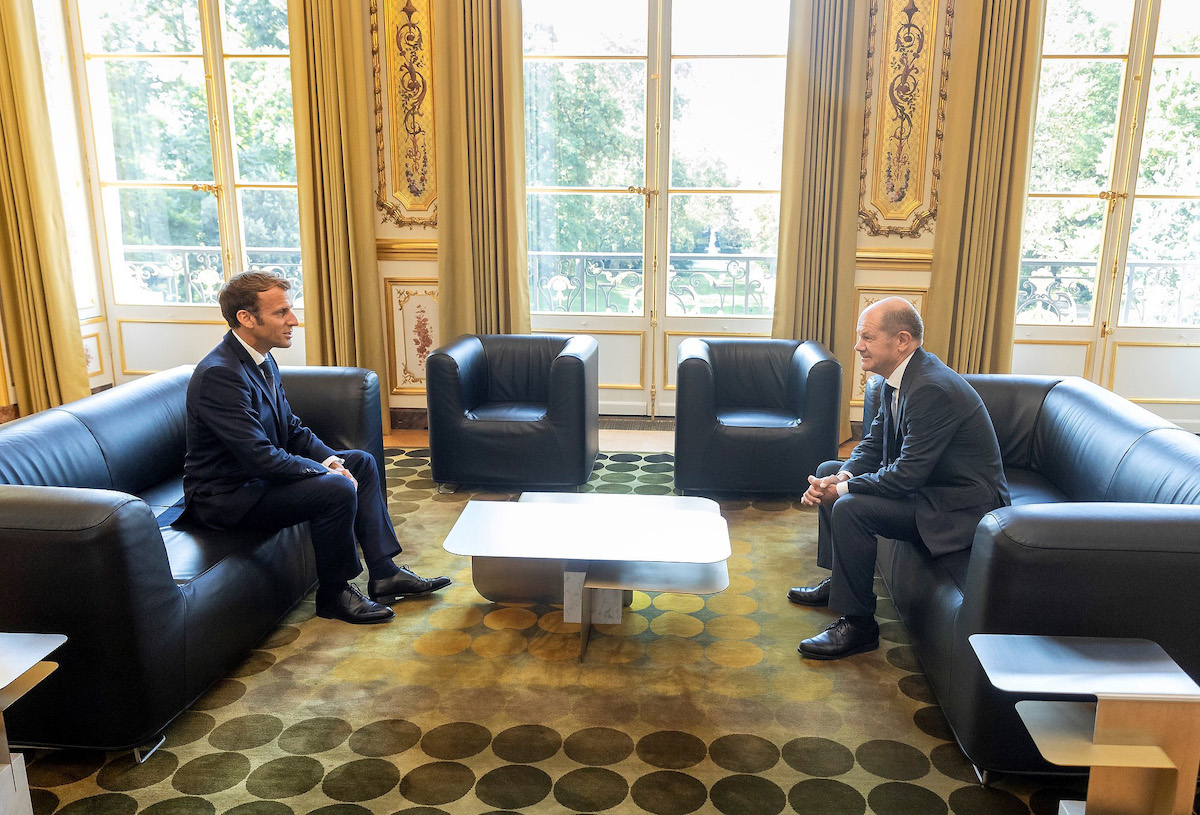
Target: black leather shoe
403, 584
841, 639
817, 595
351, 606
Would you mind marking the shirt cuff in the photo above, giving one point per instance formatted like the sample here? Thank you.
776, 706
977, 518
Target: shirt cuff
332, 459
843, 487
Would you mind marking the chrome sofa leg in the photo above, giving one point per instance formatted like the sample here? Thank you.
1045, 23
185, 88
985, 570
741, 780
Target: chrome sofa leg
141, 757
985, 777
447, 489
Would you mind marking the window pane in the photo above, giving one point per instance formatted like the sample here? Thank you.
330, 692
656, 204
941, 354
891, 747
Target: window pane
261, 94
713, 27
585, 123
1170, 162
584, 29
151, 26
1178, 28
714, 145
271, 233
1088, 26
157, 120
169, 247
254, 26
1059, 255
585, 252
1076, 126
1162, 269
723, 252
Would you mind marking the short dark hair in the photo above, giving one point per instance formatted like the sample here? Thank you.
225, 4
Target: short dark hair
240, 293
900, 315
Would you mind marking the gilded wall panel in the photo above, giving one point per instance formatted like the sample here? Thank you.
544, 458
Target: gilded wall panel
907, 75
413, 331
402, 60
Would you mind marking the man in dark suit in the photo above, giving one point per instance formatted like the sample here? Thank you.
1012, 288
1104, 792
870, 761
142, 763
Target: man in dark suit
928, 470
251, 463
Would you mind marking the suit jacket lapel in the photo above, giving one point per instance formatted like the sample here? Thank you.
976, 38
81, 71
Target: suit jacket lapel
256, 376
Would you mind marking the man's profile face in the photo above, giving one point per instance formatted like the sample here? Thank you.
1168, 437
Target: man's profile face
881, 352
272, 326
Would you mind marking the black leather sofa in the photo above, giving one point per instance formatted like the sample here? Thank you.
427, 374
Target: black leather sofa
754, 415
153, 617
514, 410
1102, 540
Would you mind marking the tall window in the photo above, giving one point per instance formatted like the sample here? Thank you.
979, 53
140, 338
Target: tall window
191, 124
1112, 225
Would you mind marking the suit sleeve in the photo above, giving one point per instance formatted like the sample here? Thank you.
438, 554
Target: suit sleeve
930, 415
300, 440
868, 453
223, 402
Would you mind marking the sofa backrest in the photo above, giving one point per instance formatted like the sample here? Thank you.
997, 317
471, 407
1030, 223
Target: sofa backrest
518, 365
127, 438
140, 427
1083, 433
1014, 402
1162, 467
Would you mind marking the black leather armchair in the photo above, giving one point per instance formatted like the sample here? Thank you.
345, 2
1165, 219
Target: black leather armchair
514, 410
754, 415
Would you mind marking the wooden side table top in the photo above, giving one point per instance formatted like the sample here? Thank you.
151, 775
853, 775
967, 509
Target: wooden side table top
1087, 666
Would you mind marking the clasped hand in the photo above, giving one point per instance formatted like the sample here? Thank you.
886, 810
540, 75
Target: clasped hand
820, 491
340, 469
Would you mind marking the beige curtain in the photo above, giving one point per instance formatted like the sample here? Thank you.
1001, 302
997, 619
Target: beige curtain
41, 323
483, 285
988, 137
335, 170
822, 143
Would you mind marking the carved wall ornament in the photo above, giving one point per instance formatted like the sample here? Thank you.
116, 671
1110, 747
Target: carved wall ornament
413, 331
898, 191
407, 77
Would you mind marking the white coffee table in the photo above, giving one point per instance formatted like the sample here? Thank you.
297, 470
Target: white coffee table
596, 546
22, 665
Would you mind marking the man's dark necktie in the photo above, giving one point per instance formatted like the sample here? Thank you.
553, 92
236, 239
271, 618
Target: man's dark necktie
265, 367
891, 443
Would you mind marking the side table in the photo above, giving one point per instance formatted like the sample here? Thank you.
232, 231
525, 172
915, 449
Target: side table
1142, 735
21, 667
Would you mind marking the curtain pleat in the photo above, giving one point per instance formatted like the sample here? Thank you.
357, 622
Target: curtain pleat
989, 135
343, 306
37, 294
822, 140
483, 272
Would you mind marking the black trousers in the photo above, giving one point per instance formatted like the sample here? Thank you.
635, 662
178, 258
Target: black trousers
846, 543
338, 515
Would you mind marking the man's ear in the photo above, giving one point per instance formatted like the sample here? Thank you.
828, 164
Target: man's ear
246, 319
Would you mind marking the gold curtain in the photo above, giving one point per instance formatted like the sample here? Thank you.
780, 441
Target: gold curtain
37, 295
483, 284
822, 143
343, 304
988, 138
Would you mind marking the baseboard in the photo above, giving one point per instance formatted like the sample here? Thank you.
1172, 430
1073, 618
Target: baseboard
409, 418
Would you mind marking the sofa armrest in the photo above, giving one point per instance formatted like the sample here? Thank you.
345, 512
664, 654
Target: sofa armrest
340, 405
1088, 569
91, 564
575, 384
818, 396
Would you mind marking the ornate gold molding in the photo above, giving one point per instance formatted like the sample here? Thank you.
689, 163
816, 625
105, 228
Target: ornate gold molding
400, 249
420, 325
890, 261
410, 110
906, 143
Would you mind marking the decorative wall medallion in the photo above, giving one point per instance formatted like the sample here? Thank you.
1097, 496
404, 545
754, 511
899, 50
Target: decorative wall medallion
870, 296
897, 193
405, 80
412, 331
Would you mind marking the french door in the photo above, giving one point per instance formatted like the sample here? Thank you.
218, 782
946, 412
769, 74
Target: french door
1110, 271
654, 136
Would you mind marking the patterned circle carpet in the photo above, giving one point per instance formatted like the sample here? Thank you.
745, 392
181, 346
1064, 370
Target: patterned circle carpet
460, 705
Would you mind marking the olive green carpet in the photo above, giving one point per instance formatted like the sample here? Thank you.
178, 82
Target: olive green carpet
459, 705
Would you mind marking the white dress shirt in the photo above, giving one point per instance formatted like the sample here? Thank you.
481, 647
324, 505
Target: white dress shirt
894, 380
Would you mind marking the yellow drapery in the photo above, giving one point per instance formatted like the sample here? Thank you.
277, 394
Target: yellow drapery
37, 295
818, 214
343, 306
988, 139
480, 141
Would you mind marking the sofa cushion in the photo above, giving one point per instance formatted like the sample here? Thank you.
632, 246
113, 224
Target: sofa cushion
139, 427
752, 375
508, 412
1028, 487
518, 367
1013, 403
51, 449
1162, 467
163, 495
1083, 432
756, 417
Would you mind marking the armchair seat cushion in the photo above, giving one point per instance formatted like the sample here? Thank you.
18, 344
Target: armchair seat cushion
508, 412
1029, 487
757, 417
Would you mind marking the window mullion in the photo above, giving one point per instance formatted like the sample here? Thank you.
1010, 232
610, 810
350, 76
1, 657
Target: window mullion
220, 128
